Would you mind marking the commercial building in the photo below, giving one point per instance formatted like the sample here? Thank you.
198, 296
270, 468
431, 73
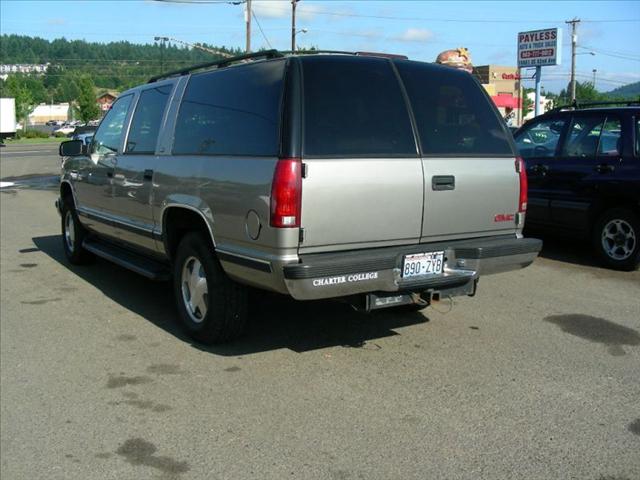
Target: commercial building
546, 104
502, 83
46, 112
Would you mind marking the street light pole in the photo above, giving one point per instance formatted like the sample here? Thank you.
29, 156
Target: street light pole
574, 41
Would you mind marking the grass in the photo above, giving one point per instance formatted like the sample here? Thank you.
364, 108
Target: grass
34, 141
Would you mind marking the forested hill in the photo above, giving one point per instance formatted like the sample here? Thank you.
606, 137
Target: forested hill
115, 65
630, 92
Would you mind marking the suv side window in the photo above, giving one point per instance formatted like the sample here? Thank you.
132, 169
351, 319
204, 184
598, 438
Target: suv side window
354, 107
147, 118
540, 139
610, 138
109, 133
584, 134
453, 114
234, 111
637, 137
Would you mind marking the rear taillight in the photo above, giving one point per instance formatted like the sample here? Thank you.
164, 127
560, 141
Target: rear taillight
286, 193
524, 185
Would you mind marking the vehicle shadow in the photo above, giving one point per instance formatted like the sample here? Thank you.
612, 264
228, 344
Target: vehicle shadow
577, 252
276, 321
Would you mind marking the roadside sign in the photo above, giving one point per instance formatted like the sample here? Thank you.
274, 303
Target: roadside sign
540, 48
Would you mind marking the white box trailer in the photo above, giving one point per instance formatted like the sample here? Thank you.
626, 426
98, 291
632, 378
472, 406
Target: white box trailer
7, 117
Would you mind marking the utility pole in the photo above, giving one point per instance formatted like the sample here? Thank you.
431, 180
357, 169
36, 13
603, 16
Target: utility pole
161, 40
293, 25
574, 41
520, 115
594, 78
248, 20
162, 57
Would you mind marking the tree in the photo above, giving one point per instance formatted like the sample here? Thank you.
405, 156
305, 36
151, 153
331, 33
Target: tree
68, 89
87, 105
16, 88
585, 92
527, 103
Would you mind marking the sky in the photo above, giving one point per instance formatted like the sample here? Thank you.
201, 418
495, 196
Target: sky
418, 29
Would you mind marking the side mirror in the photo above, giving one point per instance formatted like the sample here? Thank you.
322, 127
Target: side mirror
72, 148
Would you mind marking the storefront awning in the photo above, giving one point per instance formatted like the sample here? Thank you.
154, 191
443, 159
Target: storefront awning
506, 101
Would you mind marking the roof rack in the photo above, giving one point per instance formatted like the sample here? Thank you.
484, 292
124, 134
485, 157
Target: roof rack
342, 52
225, 62
313, 52
576, 105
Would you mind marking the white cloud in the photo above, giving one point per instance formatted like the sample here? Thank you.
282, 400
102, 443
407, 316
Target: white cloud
272, 9
282, 9
502, 55
415, 35
56, 21
308, 12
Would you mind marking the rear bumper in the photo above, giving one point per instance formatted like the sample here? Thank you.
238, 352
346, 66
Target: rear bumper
379, 270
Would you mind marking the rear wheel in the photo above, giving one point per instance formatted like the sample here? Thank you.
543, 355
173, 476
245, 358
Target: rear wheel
616, 239
212, 307
73, 234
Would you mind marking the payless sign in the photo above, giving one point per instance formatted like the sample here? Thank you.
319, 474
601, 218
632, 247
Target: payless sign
540, 48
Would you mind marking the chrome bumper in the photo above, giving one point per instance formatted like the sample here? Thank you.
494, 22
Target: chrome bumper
379, 270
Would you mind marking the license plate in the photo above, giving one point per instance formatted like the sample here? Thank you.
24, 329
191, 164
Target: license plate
419, 264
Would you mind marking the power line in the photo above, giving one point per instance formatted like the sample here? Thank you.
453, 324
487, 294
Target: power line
446, 20
606, 53
617, 52
204, 2
583, 76
253, 13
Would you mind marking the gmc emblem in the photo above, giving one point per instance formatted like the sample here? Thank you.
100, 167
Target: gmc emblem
504, 217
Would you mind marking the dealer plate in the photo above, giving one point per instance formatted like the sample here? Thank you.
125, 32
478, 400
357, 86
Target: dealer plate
419, 264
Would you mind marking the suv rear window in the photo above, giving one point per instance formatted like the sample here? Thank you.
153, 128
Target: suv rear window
354, 107
453, 114
233, 111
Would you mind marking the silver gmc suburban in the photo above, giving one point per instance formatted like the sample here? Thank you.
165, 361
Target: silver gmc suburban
377, 180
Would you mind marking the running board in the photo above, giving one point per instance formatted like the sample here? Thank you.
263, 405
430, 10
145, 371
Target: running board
144, 266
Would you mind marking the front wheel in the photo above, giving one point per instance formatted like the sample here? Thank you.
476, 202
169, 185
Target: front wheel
616, 239
212, 307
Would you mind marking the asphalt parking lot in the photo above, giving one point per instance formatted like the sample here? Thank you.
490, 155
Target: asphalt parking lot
537, 377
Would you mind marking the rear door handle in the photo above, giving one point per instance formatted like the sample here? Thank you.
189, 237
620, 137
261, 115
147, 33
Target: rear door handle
604, 168
443, 182
148, 175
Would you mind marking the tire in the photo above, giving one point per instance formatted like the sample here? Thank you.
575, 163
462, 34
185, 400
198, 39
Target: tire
616, 239
73, 234
212, 307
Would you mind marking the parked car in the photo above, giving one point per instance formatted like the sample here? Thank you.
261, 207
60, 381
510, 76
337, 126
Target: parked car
381, 182
583, 166
84, 133
65, 130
